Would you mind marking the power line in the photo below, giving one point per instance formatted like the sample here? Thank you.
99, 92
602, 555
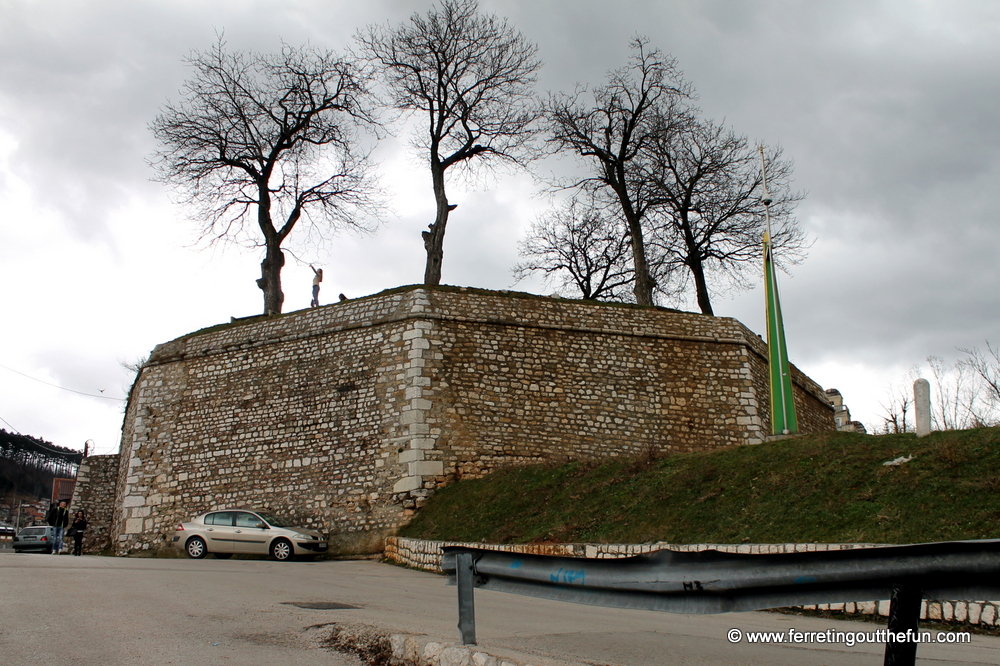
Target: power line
40, 381
10, 426
41, 444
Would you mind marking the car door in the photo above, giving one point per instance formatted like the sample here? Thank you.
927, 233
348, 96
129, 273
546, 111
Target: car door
251, 534
220, 531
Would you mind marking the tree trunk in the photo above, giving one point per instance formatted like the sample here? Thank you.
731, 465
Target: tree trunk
701, 287
274, 259
270, 278
644, 283
434, 238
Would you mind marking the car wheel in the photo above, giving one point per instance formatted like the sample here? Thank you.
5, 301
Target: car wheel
222, 556
282, 550
196, 548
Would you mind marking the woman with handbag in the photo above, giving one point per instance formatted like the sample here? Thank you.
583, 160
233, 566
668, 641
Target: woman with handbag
76, 530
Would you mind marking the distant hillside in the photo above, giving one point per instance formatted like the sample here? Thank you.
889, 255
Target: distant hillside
28, 465
830, 487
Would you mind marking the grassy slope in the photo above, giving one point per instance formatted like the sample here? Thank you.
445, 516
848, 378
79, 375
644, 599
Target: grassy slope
830, 487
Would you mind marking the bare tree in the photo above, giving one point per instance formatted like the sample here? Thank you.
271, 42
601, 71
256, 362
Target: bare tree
581, 248
471, 77
263, 140
956, 396
987, 367
895, 410
613, 132
961, 396
707, 215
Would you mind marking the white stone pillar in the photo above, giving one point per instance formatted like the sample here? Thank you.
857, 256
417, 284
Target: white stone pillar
922, 406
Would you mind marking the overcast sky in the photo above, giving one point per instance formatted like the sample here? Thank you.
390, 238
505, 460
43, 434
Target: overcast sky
888, 109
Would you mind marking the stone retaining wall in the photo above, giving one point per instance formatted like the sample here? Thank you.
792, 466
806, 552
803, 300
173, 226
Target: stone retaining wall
346, 417
426, 554
95, 495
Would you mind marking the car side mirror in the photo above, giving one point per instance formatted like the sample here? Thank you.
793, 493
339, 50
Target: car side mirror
262, 526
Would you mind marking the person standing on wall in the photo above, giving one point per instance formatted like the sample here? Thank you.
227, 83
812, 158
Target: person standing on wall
76, 530
59, 521
317, 278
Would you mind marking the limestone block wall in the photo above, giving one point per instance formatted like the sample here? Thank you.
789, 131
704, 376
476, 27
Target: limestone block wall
813, 407
95, 495
426, 554
285, 414
534, 379
346, 417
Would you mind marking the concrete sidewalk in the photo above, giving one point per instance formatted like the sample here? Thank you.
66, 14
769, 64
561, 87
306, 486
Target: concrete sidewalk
243, 612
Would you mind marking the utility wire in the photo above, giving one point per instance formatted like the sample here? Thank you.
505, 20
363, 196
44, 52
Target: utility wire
89, 395
44, 445
10, 426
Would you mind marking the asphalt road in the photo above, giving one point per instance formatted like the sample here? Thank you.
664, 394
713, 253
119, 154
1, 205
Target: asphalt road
134, 611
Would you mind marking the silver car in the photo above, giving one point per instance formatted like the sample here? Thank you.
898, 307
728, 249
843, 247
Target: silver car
244, 531
38, 538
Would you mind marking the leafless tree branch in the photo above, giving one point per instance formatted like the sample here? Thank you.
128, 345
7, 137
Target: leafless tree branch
581, 248
261, 141
706, 212
471, 76
611, 131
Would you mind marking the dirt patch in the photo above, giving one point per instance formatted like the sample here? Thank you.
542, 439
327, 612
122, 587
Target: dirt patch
368, 645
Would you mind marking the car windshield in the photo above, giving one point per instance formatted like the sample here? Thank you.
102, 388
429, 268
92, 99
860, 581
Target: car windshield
275, 521
32, 531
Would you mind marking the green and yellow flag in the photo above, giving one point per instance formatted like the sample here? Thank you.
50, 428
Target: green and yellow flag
783, 421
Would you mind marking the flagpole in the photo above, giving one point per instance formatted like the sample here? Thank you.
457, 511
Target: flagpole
783, 419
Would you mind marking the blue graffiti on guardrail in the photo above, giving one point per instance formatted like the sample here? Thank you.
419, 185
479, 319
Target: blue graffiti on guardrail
569, 576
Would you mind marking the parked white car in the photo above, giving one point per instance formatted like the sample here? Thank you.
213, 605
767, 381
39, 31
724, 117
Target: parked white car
244, 531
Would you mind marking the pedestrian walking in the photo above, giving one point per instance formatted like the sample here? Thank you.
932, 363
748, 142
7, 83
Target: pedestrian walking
59, 521
50, 515
76, 530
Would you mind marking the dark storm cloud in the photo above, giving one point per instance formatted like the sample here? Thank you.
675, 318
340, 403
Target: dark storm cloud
888, 110
77, 99
80, 82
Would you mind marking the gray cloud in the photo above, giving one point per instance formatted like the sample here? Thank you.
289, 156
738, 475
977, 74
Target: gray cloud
888, 110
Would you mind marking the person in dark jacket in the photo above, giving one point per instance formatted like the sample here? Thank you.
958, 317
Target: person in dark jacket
77, 529
59, 521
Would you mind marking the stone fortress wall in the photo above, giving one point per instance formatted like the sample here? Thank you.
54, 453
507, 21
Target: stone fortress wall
347, 416
94, 493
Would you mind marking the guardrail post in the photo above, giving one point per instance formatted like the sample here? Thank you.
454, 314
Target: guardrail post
904, 615
466, 603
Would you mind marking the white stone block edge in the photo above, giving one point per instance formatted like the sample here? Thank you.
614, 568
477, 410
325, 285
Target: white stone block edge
421, 649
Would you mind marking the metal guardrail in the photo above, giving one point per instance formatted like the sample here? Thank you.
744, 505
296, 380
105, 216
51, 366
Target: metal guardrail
715, 582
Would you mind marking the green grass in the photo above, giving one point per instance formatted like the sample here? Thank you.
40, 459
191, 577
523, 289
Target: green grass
829, 487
